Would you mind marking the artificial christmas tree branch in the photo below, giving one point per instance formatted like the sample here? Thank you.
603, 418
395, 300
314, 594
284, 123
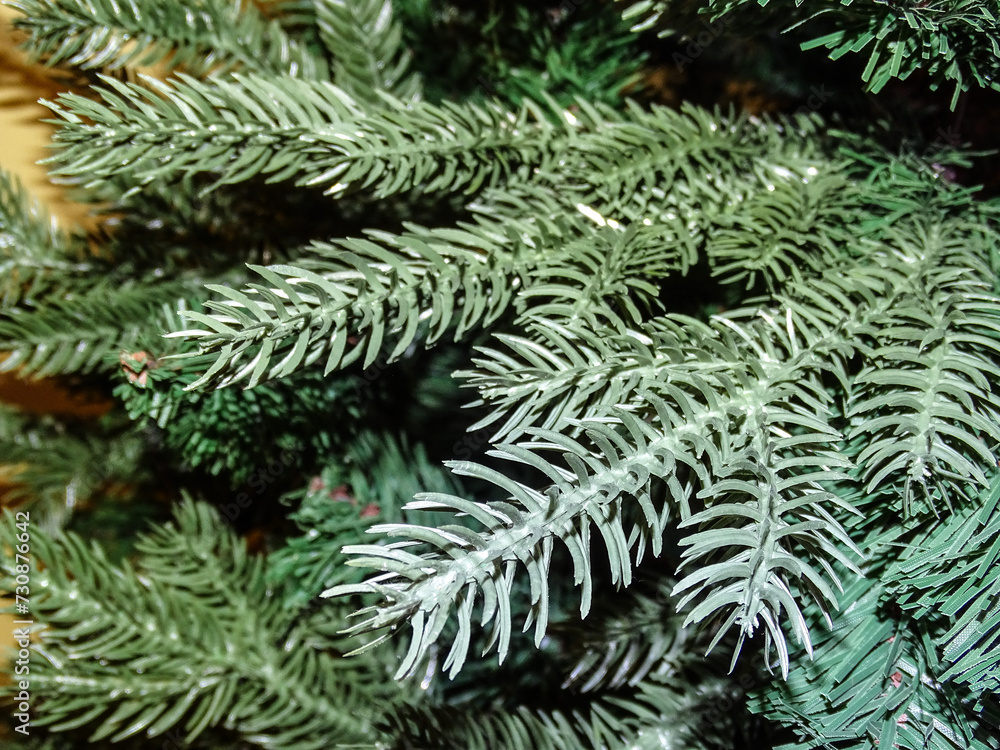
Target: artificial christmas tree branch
365, 42
284, 128
195, 589
743, 366
212, 36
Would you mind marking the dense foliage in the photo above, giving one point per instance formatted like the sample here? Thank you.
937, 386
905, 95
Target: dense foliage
725, 475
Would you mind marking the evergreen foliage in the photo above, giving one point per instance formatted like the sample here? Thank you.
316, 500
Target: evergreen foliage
514, 51
34, 249
195, 587
207, 36
366, 45
728, 460
59, 464
949, 41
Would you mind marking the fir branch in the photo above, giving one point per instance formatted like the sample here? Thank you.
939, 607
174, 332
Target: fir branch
926, 398
558, 369
784, 354
783, 204
953, 40
637, 634
284, 129
873, 683
425, 590
767, 524
210, 36
785, 218
603, 278
52, 467
661, 713
365, 42
582, 370
584, 53
685, 151
116, 653
352, 298
951, 569
559, 374
36, 255
86, 331
698, 422
915, 180
794, 228
355, 296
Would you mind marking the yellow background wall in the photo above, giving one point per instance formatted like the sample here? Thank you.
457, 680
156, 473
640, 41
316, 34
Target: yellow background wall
22, 136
